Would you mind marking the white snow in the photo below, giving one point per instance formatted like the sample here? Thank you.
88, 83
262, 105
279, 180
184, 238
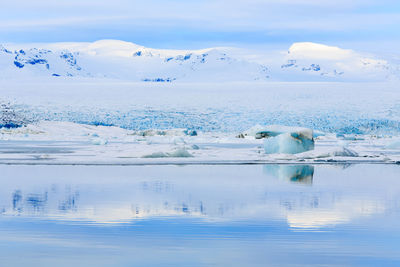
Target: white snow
210, 93
309, 50
311, 61
127, 61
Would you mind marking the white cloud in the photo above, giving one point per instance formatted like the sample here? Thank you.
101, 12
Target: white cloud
280, 17
255, 15
49, 22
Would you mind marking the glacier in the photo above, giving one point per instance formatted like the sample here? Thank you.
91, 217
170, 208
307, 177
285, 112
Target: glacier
124, 103
343, 108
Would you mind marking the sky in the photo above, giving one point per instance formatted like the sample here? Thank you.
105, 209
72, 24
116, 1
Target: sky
364, 24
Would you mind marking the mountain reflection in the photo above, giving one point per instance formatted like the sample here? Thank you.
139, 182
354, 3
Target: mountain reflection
294, 173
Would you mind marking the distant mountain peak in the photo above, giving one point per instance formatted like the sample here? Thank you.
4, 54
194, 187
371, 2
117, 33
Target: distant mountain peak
116, 59
319, 51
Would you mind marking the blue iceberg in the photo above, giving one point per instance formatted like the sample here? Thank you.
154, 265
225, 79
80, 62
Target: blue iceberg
287, 140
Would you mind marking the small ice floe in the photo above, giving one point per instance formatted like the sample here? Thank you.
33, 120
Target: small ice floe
153, 140
343, 152
39, 157
349, 137
179, 153
195, 147
328, 153
99, 141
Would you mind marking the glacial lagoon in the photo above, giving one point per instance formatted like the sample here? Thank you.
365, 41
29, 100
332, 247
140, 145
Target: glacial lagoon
200, 215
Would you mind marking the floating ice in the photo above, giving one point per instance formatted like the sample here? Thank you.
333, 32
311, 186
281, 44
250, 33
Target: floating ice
179, 153
344, 152
288, 140
288, 143
208, 147
195, 147
170, 132
282, 139
99, 141
341, 151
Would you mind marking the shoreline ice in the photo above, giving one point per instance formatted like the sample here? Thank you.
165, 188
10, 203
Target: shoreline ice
66, 143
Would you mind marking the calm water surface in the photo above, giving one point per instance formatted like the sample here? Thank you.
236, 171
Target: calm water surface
248, 215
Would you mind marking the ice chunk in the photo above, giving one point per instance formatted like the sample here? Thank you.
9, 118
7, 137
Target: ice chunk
195, 147
179, 153
99, 141
156, 155
295, 140
170, 132
344, 152
341, 151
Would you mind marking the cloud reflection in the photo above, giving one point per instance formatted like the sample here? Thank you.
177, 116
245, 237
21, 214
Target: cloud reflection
211, 194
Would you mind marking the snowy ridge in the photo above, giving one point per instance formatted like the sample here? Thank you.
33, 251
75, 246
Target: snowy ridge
333, 63
128, 61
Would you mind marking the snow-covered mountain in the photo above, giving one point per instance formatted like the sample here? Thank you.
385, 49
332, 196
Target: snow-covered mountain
311, 61
128, 61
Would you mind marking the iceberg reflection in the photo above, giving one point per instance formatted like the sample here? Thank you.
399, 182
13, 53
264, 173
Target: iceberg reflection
115, 195
293, 173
